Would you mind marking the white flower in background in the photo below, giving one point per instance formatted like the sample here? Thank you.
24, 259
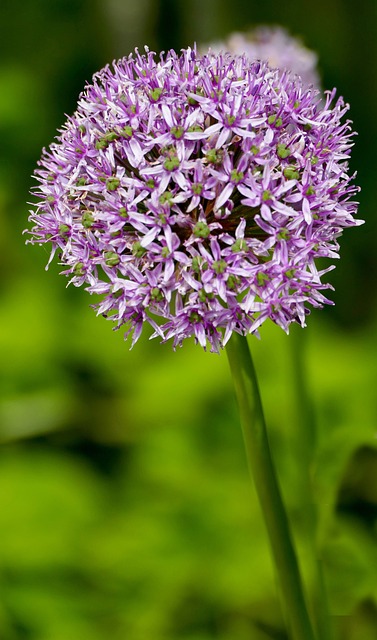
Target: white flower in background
277, 47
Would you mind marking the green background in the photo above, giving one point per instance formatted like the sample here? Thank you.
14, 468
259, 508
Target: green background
125, 505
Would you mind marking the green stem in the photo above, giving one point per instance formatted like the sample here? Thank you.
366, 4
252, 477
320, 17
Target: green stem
305, 436
263, 471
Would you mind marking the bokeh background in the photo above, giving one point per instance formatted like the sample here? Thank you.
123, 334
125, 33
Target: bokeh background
126, 509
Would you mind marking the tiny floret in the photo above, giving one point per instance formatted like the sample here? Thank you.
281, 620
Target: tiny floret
196, 193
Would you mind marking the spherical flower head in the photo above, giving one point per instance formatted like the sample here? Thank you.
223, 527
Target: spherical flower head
276, 46
195, 193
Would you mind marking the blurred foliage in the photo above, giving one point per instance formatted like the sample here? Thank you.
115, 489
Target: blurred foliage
126, 509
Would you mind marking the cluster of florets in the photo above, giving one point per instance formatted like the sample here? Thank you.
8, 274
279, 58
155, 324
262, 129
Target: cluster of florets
195, 193
277, 47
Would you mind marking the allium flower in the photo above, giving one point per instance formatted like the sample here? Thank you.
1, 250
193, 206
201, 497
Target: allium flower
277, 47
194, 193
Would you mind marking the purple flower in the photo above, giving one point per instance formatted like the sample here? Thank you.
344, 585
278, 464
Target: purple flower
277, 47
195, 193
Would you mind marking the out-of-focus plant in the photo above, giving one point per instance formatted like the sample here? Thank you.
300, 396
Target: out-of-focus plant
277, 47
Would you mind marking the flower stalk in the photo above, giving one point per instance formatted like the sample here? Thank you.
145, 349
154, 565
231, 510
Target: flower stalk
262, 469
